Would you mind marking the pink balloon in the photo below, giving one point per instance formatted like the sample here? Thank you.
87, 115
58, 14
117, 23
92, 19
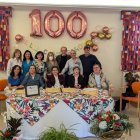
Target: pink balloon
93, 35
35, 16
105, 29
95, 47
18, 37
47, 23
83, 29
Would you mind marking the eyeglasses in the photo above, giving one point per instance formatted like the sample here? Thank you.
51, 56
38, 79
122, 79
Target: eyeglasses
95, 67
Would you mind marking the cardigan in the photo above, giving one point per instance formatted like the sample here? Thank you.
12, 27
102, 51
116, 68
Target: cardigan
25, 67
71, 81
70, 64
51, 80
103, 81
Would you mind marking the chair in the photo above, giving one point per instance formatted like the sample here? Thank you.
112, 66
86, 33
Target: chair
136, 99
3, 97
3, 84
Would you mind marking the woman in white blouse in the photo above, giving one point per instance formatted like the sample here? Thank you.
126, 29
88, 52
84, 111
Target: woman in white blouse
15, 60
71, 63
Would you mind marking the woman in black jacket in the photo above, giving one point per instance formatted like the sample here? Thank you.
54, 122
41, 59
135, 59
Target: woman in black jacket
55, 79
76, 80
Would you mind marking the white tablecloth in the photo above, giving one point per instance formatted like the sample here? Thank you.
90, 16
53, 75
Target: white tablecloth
61, 113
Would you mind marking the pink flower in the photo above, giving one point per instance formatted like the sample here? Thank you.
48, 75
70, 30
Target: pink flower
21, 110
66, 101
103, 99
26, 100
27, 108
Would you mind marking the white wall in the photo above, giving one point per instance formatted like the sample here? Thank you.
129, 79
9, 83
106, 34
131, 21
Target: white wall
109, 50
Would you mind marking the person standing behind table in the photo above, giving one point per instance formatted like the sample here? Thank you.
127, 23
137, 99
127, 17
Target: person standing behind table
15, 60
51, 61
71, 63
41, 66
76, 80
32, 78
62, 58
55, 79
27, 61
88, 60
15, 78
97, 78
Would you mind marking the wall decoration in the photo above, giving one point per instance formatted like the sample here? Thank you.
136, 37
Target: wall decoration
130, 55
18, 37
93, 35
76, 15
5, 12
102, 34
47, 23
35, 16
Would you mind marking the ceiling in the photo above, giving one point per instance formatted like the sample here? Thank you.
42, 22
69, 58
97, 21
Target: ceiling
98, 4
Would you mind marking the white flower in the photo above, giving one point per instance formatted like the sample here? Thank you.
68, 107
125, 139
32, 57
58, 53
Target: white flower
116, 117
103, 125
104, 116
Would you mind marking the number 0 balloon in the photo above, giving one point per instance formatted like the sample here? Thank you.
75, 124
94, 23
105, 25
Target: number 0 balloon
83, 28
47, 23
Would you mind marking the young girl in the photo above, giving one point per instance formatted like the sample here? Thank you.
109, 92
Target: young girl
27, 61
15, 60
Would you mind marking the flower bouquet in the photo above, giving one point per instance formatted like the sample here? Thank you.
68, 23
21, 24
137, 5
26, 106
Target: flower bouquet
131, 77
12, 129
110, 125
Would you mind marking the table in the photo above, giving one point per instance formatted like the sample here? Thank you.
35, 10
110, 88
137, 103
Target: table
76, 110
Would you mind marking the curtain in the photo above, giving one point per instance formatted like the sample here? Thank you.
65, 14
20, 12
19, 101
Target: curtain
5, 12
130, 55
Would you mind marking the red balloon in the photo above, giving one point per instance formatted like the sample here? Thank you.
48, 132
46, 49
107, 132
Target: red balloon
93, 35
83, 29
47, 23
18, 37
35, 16
105, 29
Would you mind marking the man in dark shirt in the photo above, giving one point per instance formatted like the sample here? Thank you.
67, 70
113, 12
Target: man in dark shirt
62, 58
88, 60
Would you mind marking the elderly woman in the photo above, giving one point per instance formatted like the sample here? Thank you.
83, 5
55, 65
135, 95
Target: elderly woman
71, 63
33, 78
54, 79
76, 80
97, 78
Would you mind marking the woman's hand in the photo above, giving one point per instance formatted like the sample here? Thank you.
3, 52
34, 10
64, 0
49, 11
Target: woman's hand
78, 86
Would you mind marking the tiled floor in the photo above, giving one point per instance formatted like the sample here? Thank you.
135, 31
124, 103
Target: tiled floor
133, 117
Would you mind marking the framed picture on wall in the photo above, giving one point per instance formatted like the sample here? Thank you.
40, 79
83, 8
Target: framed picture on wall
32, 90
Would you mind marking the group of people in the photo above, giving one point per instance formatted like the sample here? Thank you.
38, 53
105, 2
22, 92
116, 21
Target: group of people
61, 71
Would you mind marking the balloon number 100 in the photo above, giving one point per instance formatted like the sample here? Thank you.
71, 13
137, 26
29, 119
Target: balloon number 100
35, 16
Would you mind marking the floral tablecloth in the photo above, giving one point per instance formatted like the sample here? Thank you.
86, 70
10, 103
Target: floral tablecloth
34, 108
